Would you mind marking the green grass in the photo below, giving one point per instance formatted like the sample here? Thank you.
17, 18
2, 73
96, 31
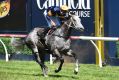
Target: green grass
29, 70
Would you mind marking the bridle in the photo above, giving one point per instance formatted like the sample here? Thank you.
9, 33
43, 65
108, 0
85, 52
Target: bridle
70, 23
70, 26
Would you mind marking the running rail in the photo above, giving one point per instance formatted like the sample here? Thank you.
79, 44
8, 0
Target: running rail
99, 53
96, 38
4, 46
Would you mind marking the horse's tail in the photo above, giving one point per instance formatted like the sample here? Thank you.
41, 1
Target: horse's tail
17, 43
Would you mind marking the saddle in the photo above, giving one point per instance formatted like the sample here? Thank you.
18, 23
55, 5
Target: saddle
47, 31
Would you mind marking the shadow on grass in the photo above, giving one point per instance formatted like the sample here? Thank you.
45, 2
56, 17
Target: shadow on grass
50, 75
65, 76
40, 74
21, 73
59, 76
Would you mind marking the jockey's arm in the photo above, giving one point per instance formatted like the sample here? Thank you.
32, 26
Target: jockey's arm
53, 23
49, 13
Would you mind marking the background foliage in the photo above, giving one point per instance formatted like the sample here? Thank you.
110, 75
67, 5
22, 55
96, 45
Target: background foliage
12, 49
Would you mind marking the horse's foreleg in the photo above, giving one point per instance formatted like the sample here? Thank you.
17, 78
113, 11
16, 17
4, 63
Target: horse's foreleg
60, 58
77, 67
70, 53
76, 63
40, 61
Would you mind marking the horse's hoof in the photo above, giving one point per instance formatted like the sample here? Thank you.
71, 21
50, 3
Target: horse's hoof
75, 72
45, 75
56, 71
45, 72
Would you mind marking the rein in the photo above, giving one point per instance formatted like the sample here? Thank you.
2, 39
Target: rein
69, 25
69, 30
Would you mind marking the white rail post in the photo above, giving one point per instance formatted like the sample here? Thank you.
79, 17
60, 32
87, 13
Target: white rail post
6, 52
51, 59
99, 53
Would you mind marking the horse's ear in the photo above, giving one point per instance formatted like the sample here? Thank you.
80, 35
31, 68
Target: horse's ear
72, 13
69, 16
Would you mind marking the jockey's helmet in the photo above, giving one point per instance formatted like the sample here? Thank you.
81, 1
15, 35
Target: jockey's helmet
64, 8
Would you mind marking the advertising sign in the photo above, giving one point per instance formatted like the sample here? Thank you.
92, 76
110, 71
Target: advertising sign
13, 16
83, 8
24, 15
4, 8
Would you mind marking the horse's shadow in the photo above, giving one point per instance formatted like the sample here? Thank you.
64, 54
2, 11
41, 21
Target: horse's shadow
65, 76
50, 75
60, 76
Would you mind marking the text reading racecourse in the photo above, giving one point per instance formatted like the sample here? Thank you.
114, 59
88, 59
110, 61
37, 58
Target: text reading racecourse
82, 8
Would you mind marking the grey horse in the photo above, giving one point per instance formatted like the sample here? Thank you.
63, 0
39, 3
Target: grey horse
58, 43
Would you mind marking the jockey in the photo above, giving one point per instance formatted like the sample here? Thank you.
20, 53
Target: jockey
55, 16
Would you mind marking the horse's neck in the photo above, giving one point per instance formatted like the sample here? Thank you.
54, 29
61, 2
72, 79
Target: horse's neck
66, 29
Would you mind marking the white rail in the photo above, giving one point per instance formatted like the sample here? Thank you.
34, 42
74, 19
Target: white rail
4, 46
95, 38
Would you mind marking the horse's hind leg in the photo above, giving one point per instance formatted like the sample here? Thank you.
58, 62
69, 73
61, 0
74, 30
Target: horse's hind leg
40, 61
42, 57
60, 58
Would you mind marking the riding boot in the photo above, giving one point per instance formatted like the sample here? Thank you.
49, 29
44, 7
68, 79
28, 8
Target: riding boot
52, 29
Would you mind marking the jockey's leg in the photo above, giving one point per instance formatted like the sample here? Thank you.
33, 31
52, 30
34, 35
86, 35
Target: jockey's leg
53, 28
57, 23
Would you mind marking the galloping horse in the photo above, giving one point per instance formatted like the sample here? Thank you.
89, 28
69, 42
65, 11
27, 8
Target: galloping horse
58, 43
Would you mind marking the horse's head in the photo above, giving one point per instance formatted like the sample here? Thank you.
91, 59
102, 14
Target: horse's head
75, 22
